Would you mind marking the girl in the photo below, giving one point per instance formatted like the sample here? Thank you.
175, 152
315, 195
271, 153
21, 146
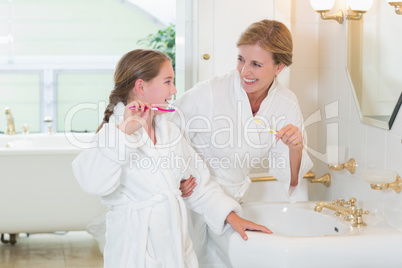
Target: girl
137, 167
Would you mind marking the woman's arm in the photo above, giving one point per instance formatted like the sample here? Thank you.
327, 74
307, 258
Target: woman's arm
292, 137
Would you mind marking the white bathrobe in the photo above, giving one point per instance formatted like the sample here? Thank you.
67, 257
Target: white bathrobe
217, 118
146, 225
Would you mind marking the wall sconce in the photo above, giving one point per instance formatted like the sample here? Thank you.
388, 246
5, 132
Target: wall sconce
397, 5
359, 7
323, 6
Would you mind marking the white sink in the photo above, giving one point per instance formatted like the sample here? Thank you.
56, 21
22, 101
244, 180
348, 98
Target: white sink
303, 238
294, 220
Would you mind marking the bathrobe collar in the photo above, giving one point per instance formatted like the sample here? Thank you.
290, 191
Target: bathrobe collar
244, 102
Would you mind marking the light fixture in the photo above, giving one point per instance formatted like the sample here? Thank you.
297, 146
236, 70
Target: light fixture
323, 6
359, 7
397, 5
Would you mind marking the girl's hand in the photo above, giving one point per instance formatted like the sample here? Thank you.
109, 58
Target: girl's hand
291, 136
187, 186
136, 117
240, 225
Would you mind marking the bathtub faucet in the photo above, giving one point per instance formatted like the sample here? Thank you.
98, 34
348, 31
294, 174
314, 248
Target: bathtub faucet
347, 209
10, 122
49, 122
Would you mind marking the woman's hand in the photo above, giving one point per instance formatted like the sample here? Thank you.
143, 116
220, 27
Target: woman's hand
240, 225
136, 117
187, 186
291, 136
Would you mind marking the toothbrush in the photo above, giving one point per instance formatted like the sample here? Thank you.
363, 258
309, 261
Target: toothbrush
155, 108
271, 130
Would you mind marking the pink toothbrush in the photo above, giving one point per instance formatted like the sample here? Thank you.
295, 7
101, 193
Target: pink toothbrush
154, 108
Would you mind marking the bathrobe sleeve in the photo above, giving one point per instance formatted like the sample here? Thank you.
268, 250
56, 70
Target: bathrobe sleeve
208, 199
98, 170
192, 117
281, 152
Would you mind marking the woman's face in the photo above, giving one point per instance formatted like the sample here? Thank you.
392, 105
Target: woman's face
256, 68
159, 91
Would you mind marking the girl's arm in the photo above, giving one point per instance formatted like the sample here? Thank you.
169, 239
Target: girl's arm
96, 173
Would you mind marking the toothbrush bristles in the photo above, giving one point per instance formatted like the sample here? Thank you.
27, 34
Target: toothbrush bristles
155, 108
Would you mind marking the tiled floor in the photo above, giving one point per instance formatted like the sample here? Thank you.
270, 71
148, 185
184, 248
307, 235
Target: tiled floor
58, 250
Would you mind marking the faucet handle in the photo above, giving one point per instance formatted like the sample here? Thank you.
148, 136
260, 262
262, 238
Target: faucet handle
361, 212
339, 202
358, 221
48, 119
25, 128
352, 201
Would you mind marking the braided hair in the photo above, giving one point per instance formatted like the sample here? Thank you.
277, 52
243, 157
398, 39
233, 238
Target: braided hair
137, 64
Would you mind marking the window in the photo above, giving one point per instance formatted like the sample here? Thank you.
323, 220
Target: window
20, 91
55, 55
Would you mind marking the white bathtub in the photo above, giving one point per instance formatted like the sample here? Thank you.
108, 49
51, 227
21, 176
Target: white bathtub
38, 192
304, 238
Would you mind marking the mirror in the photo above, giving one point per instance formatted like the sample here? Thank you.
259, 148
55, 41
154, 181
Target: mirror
373, 64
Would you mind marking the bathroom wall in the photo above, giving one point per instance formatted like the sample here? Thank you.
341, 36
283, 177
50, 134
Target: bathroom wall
319, 79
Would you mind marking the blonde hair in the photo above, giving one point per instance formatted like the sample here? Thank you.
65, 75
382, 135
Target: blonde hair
271, 35
137, 64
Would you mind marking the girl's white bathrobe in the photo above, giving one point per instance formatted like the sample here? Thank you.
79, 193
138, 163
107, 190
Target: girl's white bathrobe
146, 225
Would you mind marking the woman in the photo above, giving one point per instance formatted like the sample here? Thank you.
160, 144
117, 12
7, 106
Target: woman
228, 119
136, 170
241, 106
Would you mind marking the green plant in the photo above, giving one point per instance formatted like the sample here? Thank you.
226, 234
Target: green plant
164, 40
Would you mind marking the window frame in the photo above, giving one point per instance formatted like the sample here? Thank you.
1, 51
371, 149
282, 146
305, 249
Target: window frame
48, 67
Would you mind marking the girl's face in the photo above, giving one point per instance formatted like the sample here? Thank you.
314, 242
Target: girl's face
256, 68
159, 91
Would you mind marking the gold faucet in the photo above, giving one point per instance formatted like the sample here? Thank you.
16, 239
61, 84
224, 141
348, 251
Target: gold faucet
10, 122
347, 209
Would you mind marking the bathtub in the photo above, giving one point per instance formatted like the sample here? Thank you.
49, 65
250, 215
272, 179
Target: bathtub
305, 238
38, 192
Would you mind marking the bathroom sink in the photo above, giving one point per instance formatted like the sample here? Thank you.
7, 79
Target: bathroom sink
294, 219
304, 238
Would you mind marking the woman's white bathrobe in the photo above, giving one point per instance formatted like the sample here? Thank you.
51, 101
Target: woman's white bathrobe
146, 225
217, 119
